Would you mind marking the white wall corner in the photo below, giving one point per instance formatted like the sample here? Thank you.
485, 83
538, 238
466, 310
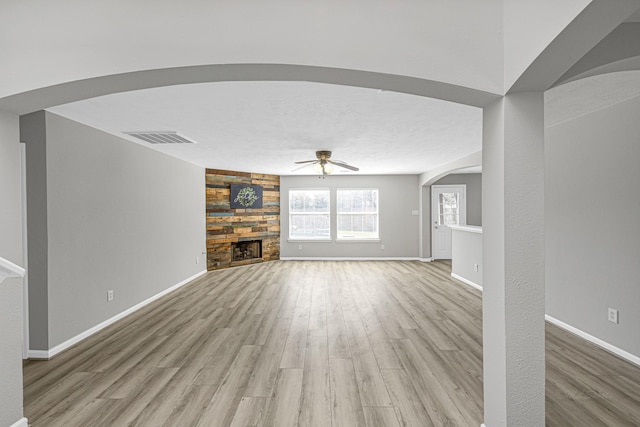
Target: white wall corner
23, 422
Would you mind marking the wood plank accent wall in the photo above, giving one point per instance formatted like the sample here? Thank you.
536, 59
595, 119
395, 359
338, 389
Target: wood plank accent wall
226, 225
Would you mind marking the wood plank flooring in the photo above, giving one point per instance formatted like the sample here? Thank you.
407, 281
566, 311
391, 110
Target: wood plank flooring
312, 343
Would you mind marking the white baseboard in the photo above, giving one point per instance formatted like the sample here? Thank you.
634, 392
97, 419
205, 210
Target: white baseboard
597, 341
483, 425
354, 259
425, 259
23, 422
466, 281
47, 354
37, 354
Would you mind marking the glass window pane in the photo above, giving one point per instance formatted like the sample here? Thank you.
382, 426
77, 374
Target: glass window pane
309, 201
450, 219
357, 213
448, 208
309, 215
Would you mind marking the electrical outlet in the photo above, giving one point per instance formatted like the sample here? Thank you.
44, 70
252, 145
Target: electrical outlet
299, 247
475, 267
382, 247
613, 315
110, 295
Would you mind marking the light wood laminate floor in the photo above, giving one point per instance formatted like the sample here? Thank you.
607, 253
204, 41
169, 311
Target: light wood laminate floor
312, 343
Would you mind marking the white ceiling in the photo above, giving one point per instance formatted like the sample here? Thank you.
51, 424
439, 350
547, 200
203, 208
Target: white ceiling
265, 127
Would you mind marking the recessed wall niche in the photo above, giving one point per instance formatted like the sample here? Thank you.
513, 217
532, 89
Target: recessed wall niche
226, 226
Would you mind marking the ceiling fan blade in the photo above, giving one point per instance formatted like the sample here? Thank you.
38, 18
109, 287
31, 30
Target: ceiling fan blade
305, 165
344, 165
307, 161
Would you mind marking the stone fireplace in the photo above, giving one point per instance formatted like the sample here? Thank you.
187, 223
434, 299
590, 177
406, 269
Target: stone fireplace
242, 251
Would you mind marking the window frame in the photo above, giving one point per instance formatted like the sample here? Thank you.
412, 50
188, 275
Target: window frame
376, 214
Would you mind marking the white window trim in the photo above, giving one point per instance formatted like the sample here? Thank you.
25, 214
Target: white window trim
310, 240
306, 239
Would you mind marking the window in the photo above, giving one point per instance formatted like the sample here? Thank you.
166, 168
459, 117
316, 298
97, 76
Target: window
309, 214
357, 213
448, 209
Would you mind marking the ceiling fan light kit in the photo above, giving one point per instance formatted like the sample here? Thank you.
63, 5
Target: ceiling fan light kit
323, 168
324, 164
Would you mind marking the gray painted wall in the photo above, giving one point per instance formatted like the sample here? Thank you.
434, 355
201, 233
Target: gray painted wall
398, 226
592, 202
120, 217
10, 289
473, 181
33, 131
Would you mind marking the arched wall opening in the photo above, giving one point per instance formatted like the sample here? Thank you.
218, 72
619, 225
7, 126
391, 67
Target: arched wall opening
38, 99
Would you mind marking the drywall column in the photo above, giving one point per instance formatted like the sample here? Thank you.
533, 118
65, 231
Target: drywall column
513, 250
33, 132
11, 412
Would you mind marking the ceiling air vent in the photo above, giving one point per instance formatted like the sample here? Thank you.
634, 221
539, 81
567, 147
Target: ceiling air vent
161, 137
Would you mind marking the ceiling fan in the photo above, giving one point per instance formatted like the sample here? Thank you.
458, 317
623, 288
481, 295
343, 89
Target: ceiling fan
324, 163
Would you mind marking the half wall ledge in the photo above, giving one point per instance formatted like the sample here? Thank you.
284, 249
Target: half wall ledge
9, 269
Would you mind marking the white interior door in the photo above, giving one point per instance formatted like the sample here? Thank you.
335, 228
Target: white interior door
448, 207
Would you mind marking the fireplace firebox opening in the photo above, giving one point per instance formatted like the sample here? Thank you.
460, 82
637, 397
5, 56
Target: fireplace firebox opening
251, 249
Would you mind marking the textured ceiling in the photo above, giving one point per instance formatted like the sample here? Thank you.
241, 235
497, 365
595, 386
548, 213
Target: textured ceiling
266, 126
